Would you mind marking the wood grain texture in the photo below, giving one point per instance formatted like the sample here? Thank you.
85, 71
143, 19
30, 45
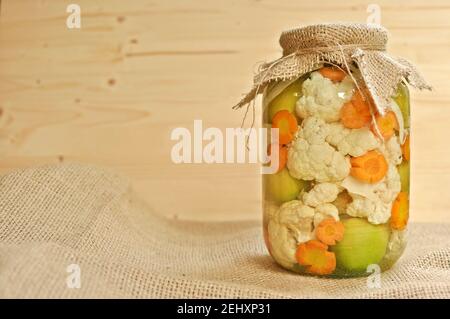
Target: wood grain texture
111, 92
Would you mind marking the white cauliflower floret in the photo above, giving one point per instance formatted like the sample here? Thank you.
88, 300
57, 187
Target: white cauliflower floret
376, 211
390, 186
314, 130
283, 244
392, 150
323, 98
290, 225
342, 201
354, 142
270, 209
310, 157
294, 223
321, 193
324, 211
374, 201
298, 218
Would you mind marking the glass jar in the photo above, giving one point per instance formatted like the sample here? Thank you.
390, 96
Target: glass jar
338, 205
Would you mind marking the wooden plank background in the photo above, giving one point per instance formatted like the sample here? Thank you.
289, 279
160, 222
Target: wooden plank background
111, 92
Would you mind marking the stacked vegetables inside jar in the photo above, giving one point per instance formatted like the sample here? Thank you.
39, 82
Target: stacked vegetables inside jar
339, 202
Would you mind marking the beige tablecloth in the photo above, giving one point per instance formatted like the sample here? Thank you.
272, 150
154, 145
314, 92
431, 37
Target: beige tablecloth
71, 225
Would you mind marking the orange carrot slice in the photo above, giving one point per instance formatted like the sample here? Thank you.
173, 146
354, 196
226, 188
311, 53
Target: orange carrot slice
314, 255
386, 124
405, 149
333, 73
287, 125
356, 112
400, 211
370, 167
329, 231
282, 155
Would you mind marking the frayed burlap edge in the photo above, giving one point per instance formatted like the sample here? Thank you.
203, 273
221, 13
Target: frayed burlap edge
72, 214
306, 49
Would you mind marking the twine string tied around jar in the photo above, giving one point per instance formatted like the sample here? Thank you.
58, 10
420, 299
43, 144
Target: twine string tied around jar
341, 45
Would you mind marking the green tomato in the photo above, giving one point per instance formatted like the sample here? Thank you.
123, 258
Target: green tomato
402, 99
286, 100
363, 244
403, 171
282, 187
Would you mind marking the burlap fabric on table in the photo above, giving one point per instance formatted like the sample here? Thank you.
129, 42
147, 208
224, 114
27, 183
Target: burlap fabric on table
342, 44
54, 216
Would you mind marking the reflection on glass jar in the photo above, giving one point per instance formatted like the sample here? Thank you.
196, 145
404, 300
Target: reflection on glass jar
340, 199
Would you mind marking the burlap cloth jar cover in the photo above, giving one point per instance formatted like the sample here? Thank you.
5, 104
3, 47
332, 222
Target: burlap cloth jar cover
304, 49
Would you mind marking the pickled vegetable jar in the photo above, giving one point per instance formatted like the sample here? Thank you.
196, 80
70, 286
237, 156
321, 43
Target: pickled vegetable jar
339, 203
